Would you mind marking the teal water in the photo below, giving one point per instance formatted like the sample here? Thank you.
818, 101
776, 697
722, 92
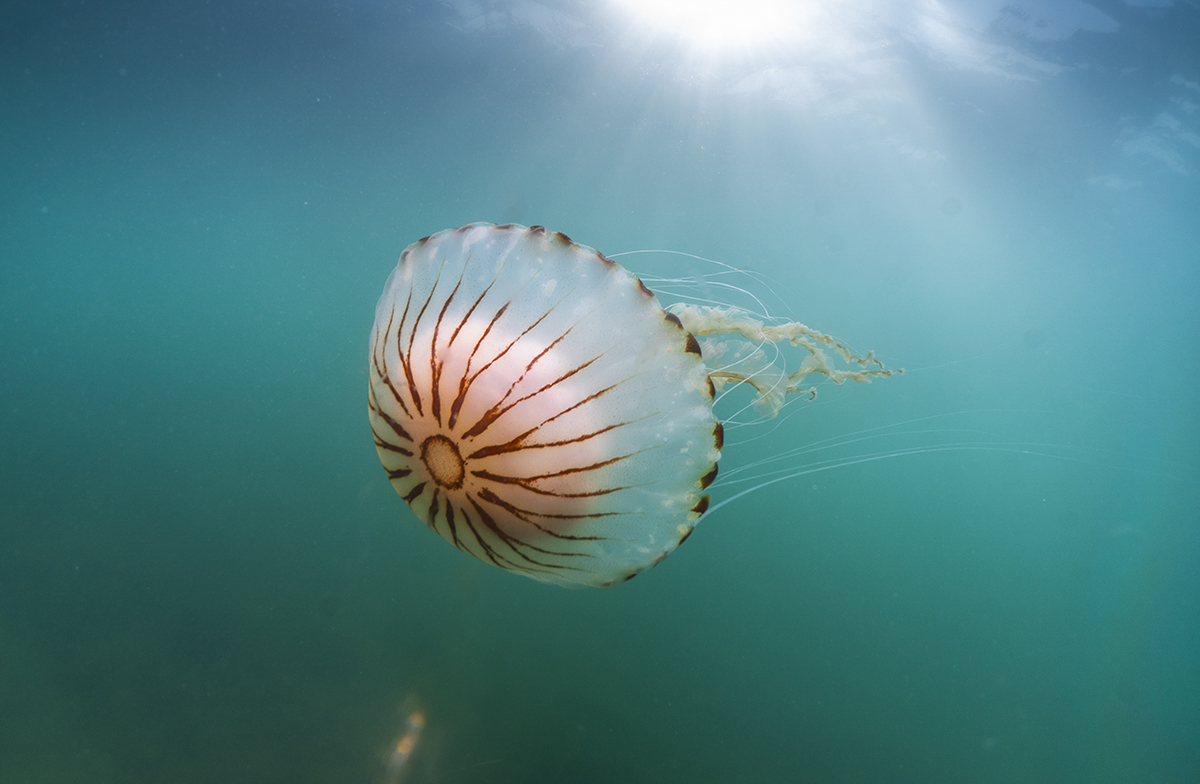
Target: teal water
205, 575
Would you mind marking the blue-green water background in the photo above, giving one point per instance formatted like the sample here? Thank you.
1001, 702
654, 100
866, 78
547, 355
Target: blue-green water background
204, 575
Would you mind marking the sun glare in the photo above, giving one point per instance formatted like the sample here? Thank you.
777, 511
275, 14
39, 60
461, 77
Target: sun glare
722, 24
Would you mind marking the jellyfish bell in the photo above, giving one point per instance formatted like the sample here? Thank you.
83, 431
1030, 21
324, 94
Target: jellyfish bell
535, 406
534, 403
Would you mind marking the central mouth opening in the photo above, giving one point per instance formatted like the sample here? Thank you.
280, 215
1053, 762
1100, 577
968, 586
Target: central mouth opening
443, 461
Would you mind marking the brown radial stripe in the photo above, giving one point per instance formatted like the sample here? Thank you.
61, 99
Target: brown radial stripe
412, 385
381, 371
488, 476
499, 409
526, 481
435, 366
396, 427
487, 548
581, 469
529, 367
467, 378
431, 515
470, 311
492, 554
415, 493
462, 381
512, 542
389, 446
486, 494
484, 422
524, 515
516, 445
412, 338
452, 526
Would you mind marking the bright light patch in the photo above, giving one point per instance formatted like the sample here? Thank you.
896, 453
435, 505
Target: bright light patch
722, 24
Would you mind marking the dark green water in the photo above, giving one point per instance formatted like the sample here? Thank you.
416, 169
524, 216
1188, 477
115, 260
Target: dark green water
205, 576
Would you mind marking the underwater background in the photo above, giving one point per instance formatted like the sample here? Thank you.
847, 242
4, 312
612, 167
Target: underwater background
205, 575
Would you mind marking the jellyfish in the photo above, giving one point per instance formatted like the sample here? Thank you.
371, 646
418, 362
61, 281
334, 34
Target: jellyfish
534, 404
